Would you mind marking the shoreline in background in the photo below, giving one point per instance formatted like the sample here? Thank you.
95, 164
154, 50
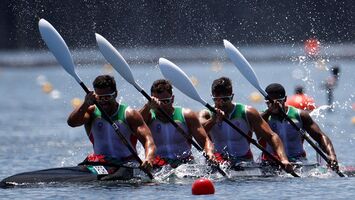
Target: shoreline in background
37, 58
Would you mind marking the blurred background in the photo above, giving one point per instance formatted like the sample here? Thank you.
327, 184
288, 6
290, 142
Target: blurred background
163, 24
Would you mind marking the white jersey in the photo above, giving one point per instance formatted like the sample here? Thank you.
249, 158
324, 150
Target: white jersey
228, 141
104, 138
168, 141
290, 137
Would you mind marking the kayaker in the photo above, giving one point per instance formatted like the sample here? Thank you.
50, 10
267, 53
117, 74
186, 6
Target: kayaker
108, 147
231, 146
300, 100
330, 84
172, 147
290, 137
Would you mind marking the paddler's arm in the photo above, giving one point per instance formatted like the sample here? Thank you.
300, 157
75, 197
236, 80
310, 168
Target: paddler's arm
145, 110
81, 115
208, 121
198, 132
263, 131
320, 137
141, 130
272, 107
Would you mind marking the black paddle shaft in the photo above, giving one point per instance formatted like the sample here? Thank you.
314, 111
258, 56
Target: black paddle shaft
251, 140
183, 133
119, 134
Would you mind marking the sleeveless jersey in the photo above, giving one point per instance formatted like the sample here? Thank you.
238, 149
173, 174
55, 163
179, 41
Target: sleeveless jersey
291, 139
228, 141
104, 138
169, 142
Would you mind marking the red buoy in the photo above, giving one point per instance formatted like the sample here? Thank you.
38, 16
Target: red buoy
202, 186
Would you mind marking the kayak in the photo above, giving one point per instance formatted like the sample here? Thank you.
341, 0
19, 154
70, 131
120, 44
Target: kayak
95, 173
245, 169
80, 173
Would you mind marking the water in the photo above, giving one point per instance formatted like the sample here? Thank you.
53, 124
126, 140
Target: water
34, 133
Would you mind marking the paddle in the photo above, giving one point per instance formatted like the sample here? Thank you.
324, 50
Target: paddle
60, 50
181, 81
245, 68
120, 65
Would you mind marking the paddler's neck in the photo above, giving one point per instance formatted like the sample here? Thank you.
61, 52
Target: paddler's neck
228, 108
161, 117
279, 115
113, 109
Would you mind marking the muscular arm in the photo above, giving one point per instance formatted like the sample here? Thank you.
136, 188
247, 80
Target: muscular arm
318, 135
145, 112
198, 132
82, 114
141, 130
263, 131
206, 120
154, 103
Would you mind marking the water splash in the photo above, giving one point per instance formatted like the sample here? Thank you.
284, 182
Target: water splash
319, 112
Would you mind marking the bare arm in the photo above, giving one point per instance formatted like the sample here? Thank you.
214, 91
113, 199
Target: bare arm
318, 135
141, 130
145, 110
263, 131
198, 132
82, 114
206, 120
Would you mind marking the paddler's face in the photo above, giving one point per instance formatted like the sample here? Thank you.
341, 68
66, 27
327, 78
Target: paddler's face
106, 97
166, 99
275, 102
223, 100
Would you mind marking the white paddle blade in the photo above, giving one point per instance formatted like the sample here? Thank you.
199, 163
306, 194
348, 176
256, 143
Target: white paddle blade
243, 65
58, 47
179, 79
115, 59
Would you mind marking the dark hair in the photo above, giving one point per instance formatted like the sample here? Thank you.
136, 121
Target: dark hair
105, 81
275, 90
335, 70
299, 89
222, 85
161, 85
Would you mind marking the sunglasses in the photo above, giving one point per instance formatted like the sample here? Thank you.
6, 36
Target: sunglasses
106, 97
274, 100
223, 98
166, 100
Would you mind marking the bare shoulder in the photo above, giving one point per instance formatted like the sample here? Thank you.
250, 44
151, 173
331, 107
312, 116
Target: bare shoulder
304, 113
306, 117
189, 114
252, 112
132, 114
